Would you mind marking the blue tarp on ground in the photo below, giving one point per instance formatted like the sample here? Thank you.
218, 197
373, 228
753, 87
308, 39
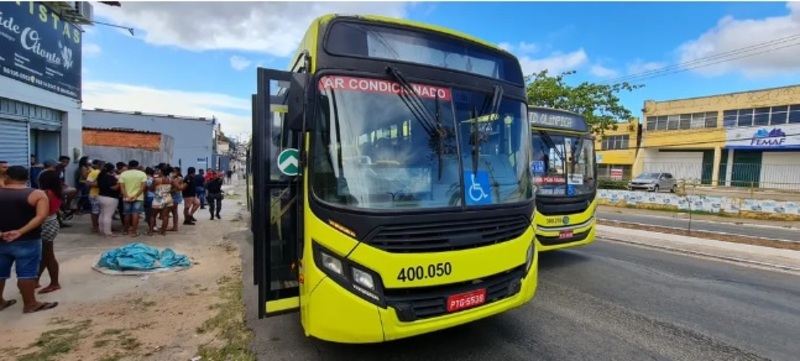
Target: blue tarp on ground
141, 257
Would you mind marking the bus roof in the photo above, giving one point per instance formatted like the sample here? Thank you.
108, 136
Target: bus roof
551, 118
312, 33
416, 24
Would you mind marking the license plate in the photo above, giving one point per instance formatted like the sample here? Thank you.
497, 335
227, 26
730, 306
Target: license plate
466, 300
565, 235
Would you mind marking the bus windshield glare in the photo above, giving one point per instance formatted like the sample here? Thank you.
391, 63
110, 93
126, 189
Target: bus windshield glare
391, 43
371, 151
563, 164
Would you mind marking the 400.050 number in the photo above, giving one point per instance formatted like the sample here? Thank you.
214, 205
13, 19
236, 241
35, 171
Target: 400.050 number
420, 272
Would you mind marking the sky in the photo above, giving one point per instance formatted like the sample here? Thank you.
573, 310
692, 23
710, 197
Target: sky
199, 59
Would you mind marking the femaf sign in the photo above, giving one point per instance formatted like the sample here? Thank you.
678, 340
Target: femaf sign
784, 136
39, 48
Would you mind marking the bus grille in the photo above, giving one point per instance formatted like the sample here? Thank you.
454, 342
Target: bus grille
413, 304
448, 235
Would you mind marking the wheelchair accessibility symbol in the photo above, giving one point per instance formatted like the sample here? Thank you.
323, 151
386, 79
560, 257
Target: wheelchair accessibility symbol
477, 185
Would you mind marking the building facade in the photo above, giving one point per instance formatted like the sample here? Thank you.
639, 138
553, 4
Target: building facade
746, 139
40, 80
193, 137
114, 145
616, 150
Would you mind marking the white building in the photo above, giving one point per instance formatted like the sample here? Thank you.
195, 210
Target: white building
193, 136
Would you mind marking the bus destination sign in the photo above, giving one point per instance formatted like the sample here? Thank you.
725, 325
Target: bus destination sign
553, 118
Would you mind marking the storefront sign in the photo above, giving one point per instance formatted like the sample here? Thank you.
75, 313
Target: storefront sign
785, 136
39, 48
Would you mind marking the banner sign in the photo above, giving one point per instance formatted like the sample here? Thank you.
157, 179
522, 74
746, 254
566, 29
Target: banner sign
783, 136
39, 48
335, 82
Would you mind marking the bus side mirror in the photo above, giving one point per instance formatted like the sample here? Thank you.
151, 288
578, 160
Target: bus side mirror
296, 102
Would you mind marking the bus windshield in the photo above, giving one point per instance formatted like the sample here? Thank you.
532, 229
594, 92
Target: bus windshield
563, 164
370, 150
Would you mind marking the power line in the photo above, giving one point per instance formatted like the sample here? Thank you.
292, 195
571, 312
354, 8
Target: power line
718, 62
712, 57
685, 66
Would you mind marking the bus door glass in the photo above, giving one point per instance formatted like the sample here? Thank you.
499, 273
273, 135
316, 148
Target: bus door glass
277, 190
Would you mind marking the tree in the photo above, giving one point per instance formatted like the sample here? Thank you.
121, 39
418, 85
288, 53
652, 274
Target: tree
597, 103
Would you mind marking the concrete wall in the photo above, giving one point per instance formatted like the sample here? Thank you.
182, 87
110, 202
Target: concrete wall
682, 165
147, 158
739, 207
72, 118
192, 136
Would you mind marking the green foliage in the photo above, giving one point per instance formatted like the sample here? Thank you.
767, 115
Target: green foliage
610, 183
598, 103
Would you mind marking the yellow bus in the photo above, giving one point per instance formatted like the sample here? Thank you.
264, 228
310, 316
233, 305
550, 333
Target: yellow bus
564, 176
391, 190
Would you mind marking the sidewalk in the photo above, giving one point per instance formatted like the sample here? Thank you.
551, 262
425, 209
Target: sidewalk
699, 217
157, 315
768, 257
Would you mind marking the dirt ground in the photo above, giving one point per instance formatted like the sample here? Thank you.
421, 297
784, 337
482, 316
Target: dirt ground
162, 316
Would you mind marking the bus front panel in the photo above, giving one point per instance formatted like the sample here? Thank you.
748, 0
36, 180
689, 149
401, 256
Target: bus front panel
418, 217
564, 177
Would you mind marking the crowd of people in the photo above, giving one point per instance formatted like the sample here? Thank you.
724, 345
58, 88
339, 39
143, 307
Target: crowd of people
156, 193
35, 202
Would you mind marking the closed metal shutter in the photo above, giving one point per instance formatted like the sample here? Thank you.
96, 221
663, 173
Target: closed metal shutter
14, 142
40, 118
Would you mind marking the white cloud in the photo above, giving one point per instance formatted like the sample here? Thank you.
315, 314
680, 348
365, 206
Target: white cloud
602, 71
240, 63
556, 63
638, 66
91, 49
521, 48
273, 28
730, 34
232, 112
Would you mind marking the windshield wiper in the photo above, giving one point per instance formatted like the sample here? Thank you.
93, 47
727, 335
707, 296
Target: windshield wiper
497, 95
441, 134
475, 140
494, 107
433, 127
412, 100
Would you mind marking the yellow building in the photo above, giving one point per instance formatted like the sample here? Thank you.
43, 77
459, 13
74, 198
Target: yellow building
749, 139
616, 150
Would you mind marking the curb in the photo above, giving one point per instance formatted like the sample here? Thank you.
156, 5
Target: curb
767, 226
700, 230
703, 254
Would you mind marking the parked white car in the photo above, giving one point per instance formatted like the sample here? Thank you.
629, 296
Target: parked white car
654, 182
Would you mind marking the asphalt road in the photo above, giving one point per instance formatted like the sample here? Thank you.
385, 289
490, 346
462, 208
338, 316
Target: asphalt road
606, 301
739, 229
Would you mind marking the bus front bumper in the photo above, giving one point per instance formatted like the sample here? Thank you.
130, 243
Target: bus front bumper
579, 236
338, 315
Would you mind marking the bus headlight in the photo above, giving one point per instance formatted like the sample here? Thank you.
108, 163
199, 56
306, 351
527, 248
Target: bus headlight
331, 263
363, 278
529, 257
351, 276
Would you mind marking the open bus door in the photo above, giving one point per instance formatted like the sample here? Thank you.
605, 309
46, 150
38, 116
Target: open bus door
277, 189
